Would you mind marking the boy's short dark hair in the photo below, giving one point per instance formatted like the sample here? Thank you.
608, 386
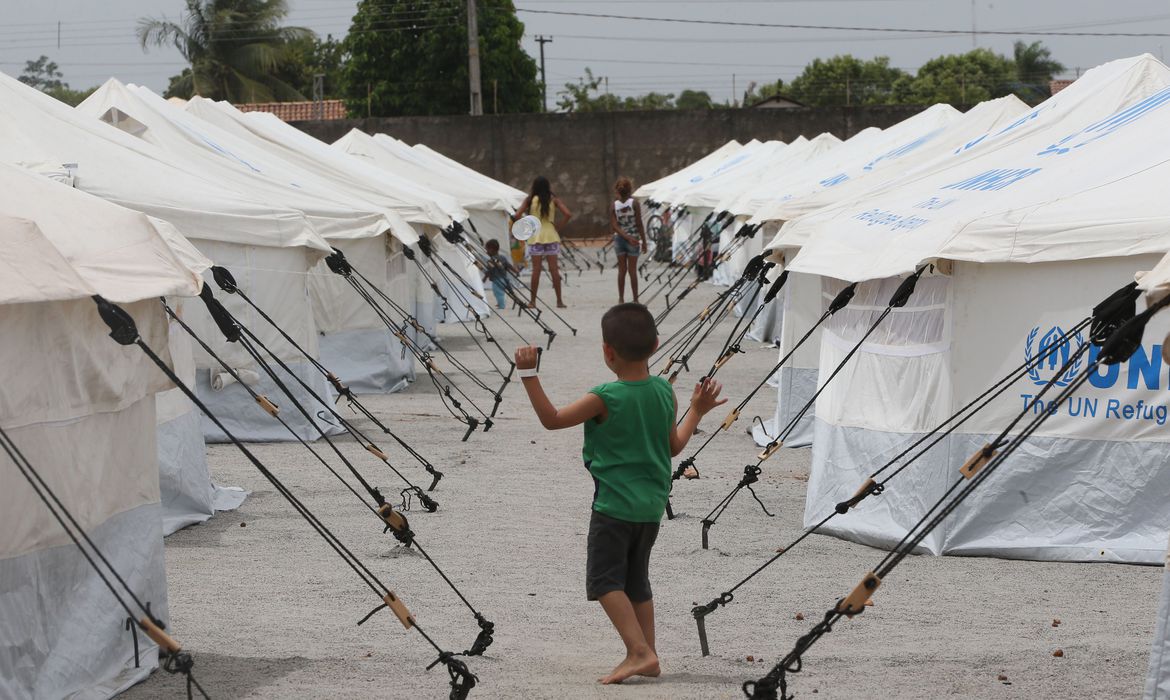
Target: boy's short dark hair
629, 329
492, 243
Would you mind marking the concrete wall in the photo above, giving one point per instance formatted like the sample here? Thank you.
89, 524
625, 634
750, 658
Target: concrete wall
582, 154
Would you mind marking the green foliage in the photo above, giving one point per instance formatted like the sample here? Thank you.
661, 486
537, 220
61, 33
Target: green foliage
237, 49
70, 96
755, 93
42, 74
963, 79
586, 95
1035, 69
693, 99
844, 80
314, 57
408, 57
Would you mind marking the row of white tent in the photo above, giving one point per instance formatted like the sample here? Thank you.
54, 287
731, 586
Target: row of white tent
1024, 219
1027, 218
133, 198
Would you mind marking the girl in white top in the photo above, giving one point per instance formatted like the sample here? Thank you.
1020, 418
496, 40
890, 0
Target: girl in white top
629, 236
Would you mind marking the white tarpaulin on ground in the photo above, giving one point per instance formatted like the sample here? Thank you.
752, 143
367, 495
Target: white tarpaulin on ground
1044, 219
365, 355
81, 409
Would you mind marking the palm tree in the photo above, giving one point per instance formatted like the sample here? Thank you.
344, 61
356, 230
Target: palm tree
237, 49
1034, 63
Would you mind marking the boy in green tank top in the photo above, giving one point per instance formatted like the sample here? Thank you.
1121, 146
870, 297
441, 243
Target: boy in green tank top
630, 438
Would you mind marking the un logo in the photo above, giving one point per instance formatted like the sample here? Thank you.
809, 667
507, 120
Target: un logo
1055, 348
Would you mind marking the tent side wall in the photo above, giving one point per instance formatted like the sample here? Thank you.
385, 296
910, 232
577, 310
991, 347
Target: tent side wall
355, 343
1084, 488
84, 416
1090, 485
189, 496
799, 305
277, 280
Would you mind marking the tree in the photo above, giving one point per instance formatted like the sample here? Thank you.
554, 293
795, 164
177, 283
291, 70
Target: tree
45, 76
409, 57
317, 57
845, 80
694, 99
1035, 69
580, 97
963, 79
237, 49
42, 74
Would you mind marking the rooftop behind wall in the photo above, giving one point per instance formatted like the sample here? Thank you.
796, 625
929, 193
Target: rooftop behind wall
582, 154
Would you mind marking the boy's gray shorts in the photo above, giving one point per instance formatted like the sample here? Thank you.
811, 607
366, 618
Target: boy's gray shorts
618, 557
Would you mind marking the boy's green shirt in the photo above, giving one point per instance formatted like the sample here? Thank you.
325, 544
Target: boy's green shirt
629, 454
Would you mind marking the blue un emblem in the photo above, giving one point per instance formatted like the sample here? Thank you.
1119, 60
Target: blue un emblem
1054, 348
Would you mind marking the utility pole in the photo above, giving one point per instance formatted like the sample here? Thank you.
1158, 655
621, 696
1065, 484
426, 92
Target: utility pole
974, 39
319, 96
473, 60
542, 40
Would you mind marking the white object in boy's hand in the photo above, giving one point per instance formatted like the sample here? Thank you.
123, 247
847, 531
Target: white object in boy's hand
526, 227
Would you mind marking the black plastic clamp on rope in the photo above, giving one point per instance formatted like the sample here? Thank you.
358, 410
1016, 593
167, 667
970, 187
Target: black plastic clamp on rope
842, 299
224, 278
424, 244
462, 679
1113, 312
338, 264
223, 320
122, 327
776, 287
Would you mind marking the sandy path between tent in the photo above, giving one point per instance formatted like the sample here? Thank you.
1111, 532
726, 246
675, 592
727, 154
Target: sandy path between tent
269, 611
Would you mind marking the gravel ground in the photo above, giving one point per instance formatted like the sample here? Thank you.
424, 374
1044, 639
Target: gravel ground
269, 611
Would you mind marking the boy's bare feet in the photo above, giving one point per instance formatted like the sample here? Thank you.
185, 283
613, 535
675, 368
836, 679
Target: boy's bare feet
645, 664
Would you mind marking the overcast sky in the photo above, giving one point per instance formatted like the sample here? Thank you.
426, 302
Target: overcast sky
96, 37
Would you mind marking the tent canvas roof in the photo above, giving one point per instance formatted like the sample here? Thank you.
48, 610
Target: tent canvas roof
221, 157
61, 243
659, 187
42, 133
833, 167
396, 157
1080, 176
414, 203
865, 174
507, 191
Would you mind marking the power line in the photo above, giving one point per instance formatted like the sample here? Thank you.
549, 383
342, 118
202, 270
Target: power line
843, 28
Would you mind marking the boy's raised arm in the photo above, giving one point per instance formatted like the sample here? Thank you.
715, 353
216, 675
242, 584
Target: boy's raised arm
551, 417
704, 398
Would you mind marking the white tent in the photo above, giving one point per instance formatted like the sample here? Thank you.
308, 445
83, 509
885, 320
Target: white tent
354, 343
659, 188
269, 248
484, 202
1036, 224
428, 209
82, 410
846, 174
791, 159
1156, 284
